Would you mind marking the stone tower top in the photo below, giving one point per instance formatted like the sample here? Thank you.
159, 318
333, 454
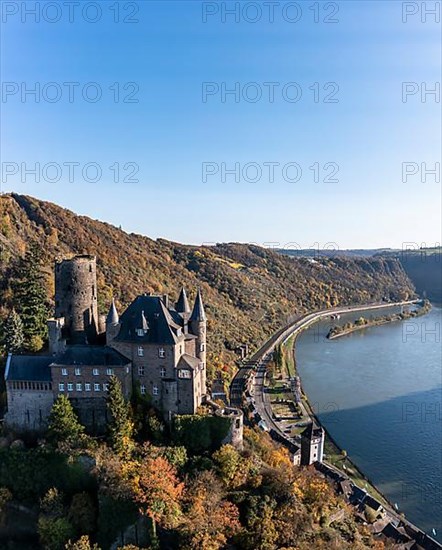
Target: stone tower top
76, 297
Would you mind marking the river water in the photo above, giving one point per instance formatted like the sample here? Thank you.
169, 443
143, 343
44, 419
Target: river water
378, 392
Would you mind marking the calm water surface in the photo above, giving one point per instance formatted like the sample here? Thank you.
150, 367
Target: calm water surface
378, 392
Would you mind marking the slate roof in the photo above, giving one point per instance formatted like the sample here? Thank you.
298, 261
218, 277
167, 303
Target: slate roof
112, 316
29, 367
198, 313
182, 306
312, 430
162, 326
189, 361
90, 355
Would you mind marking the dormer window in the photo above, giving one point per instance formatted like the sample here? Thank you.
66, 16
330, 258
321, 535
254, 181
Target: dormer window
140, 332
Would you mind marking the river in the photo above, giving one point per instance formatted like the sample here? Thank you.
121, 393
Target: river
378, 392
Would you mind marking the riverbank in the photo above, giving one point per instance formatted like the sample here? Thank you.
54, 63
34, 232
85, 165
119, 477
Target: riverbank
372, 413
362, 323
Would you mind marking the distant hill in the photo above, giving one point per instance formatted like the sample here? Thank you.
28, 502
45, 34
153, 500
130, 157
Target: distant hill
423, 265
248, 291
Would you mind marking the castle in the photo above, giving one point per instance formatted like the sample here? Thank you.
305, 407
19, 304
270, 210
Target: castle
153, 347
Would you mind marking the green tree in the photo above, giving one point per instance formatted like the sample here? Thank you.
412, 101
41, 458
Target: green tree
82, 514
63, 423
14, 333
30, 296
121, 426
54, 532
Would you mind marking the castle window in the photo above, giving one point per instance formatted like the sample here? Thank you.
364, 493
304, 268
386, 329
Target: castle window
161, 353
79, 387
143, 390
184, 373
61, 386
77, 372
64, 372
105, 387
140, 332
109, 372
155, 390
95, 372
140, 370
162, 372
202, 347
87, 387
96, 387
201, 365
70, 387
140, 351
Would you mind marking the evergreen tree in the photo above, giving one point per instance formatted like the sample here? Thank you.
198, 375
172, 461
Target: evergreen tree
63, 422
14, 333
31, 297
121, 426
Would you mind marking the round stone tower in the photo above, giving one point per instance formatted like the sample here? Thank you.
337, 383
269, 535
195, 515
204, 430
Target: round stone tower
235, 434
76, 297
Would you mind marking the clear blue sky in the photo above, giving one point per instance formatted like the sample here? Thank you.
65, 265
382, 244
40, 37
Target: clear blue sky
171, 132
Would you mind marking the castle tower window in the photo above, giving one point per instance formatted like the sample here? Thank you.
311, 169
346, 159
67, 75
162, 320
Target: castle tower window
79, 387
162, 372
140, 351
140, 370
70, 387
61, 386
109, 372
105, 387
95, 372
77, 372
202, 347
64, 372
87, 387
96, 387
161, 353
155, 390
143, 390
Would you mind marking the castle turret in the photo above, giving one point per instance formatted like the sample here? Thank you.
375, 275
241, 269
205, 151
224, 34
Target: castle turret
197, 326
112, 323
76, 298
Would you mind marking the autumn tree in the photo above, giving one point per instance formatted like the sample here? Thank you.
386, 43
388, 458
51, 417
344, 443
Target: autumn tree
158, 491
121, 426
63, 425
83, 543
209, 520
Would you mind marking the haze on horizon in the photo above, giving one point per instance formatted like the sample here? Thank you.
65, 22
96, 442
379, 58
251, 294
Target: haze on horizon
331, 162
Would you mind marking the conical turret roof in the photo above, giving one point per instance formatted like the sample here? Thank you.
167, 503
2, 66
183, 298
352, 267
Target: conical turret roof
112, 317
198, 313
182, 306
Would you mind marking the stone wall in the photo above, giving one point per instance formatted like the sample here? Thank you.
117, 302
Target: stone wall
28, 409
